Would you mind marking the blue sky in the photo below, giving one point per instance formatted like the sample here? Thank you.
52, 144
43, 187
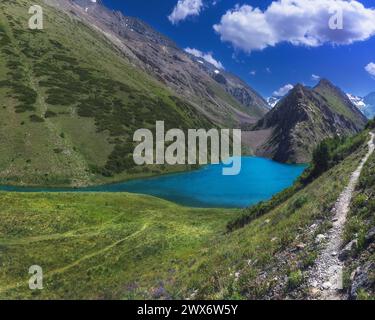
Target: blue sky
266, 60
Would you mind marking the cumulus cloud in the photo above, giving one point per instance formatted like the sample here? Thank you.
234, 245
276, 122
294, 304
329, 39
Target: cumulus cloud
370, 68
184, 9
299, 22
315, 77
205, 56
283, 90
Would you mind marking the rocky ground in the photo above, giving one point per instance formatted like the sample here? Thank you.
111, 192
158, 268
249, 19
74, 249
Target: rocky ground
326, 278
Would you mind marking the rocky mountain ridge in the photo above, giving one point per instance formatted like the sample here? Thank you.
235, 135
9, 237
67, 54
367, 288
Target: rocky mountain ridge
225, 99
305, 117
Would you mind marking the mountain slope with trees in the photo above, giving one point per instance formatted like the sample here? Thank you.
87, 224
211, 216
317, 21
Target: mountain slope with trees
71, 102
222, 97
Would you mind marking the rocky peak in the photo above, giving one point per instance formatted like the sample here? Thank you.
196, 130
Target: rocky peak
325, 83
306, 116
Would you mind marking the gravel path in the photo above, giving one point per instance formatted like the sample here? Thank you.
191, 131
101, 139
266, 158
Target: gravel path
325, 278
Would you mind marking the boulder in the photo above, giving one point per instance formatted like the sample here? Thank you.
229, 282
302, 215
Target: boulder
370, 236
348, 250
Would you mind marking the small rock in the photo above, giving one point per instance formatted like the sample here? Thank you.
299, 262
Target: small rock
335, 219
370, 236
352, 275
334, 254
300, 246
273, 239
327, 285
314, 291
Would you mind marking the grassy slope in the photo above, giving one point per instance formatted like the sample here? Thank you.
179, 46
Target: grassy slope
360, 221
96, 98
99, 246
128, 246
337, 105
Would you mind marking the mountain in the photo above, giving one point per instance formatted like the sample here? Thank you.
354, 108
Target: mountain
223, 98
305, 117
236, 87
369, 109
273, 101
71, 102
357, 101
366, 104
73, 94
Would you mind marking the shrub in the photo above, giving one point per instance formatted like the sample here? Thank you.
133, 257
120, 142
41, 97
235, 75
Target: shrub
295, 279
35, 118
371, 124
299, 203
363, 295
309, 259
359, 201
50, 114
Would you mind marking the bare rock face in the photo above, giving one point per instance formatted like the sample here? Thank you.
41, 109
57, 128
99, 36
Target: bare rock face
219, 95
304, 118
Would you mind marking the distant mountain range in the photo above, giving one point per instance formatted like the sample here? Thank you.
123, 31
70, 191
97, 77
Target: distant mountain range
365, 104
72, 98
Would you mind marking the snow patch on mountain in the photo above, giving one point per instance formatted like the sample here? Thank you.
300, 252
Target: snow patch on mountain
357, 101
365, 105
273, 101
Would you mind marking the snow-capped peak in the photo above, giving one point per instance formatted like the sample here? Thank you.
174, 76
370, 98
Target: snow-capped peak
357, 101
273, 101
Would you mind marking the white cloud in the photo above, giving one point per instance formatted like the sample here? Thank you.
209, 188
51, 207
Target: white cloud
283, 90
206, 56
370, 68
184, 9
299, 22
315, 77
253, 72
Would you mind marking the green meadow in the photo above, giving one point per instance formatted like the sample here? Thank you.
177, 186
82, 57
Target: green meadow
122, 246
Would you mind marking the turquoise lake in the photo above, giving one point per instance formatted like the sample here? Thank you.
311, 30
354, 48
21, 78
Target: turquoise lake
259, 180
